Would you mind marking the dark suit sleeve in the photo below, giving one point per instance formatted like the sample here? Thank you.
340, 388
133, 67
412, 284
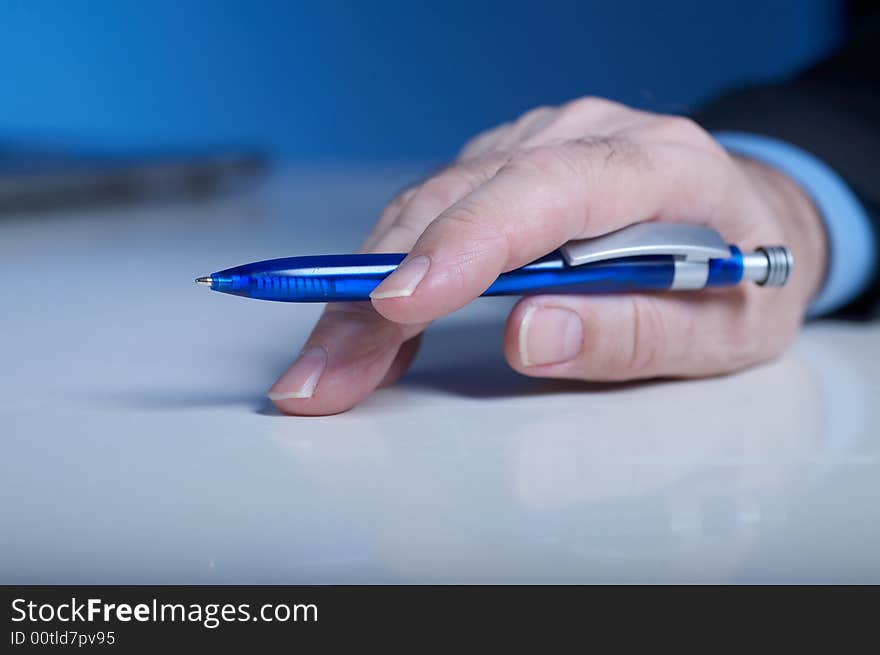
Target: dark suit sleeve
832, 110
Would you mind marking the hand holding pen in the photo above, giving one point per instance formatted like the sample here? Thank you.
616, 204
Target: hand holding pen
522, 190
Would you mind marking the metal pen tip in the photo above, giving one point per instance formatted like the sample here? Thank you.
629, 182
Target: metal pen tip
204, 281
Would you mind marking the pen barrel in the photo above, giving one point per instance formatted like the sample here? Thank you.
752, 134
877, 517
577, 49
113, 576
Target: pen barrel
612, 276
353, 277
283, 288
644, 273
329, 278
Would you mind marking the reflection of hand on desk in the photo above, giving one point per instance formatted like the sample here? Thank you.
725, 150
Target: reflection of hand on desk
662, 481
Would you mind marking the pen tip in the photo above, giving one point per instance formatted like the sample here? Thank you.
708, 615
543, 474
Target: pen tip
204, 281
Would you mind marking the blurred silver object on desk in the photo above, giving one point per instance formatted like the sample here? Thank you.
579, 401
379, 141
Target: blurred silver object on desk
35, 176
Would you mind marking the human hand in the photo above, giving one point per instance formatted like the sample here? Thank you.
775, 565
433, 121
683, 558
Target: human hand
523, 189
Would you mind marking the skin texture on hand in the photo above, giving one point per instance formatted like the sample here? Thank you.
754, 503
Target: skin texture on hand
523, 189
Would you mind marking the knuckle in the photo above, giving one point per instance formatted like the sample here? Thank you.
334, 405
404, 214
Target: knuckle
480, 235
534, 123
676, 124
403, 197
608, 145
465, 216
650, 337
393, 208
461, 178
444, 188
471, 220
474, 147
596, 153
590, 105
550, 160
403, 234
485, 141
638, 350
534, 114
683, 129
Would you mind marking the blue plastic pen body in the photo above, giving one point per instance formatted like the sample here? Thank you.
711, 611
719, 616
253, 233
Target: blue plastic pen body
332, 278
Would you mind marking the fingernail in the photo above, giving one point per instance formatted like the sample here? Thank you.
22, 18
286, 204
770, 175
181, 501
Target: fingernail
301, 379
549, 335
404, 280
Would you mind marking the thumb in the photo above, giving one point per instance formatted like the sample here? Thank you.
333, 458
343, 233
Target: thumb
607, 338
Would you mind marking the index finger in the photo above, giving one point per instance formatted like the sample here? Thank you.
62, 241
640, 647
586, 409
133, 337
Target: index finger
538, 201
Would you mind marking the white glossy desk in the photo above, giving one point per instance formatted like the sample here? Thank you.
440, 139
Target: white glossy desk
136, 444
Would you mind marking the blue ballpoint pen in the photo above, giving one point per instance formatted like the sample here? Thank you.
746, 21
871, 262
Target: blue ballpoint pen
642, 257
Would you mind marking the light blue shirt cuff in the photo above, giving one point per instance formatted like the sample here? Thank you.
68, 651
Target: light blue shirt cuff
851, 244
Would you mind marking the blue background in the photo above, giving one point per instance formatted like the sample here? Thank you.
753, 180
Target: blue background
370, 80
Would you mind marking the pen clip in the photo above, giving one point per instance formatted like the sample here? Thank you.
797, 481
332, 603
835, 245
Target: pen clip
693, 243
